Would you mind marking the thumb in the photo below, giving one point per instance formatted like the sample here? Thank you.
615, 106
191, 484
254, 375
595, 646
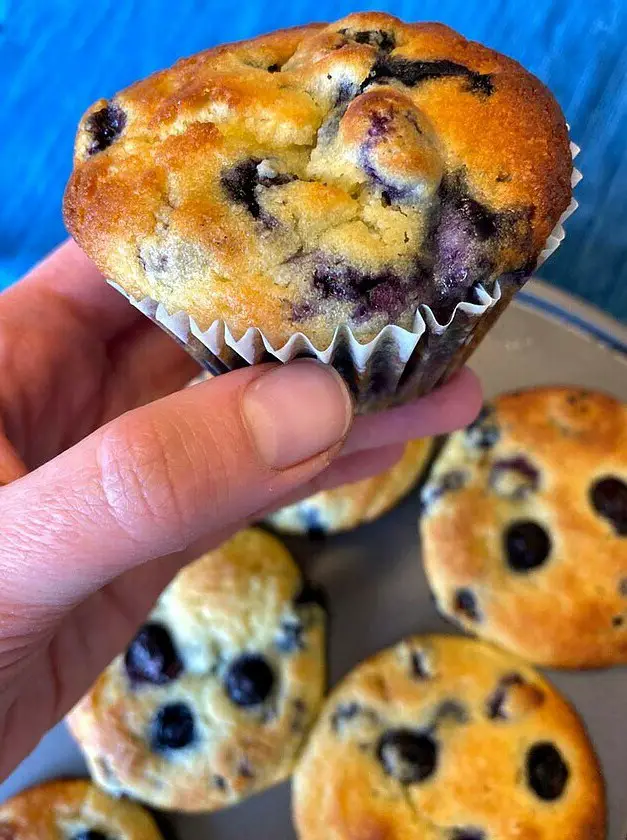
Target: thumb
161, 477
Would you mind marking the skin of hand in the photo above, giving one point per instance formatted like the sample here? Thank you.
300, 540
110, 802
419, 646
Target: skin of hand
114, 475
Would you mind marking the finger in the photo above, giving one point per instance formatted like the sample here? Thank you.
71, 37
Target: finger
67, 278
146, 364
450, 407
159, 478
11, 465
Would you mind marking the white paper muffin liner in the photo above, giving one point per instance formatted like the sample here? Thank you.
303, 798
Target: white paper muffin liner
396, 366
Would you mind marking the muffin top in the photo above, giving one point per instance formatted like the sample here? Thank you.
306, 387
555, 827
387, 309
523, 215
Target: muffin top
322, 175
73, 810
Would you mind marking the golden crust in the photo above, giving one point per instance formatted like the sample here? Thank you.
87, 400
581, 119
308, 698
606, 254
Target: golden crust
151, 208
235, 600
347, 507
343, 792
570, 611
60, 809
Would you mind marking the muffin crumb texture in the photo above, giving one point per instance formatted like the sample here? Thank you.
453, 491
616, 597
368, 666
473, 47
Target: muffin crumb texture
322, 175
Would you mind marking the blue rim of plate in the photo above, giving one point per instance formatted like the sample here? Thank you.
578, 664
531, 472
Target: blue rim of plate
611, 341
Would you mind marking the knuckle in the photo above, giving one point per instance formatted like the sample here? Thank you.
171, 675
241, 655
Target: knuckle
139, 480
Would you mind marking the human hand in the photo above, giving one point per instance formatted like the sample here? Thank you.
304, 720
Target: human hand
114, 478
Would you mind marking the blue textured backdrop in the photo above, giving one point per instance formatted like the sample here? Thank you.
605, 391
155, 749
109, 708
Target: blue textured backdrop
56, 56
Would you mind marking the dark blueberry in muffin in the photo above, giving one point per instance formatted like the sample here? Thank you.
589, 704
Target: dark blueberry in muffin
452, 710
105, 126
483, 433
90, 834
495, 704
290, 637
173, 728
313, 522
420, 666
609, 499
547, 772
447, 483
515, 478
379, 38
151, 657
466, 604
311, 594
527, 546
240, 183
274, 68
468, 834
408, 756
249, 681
343, 714
412, 73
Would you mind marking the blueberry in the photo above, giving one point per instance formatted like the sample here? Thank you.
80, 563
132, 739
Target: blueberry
450, 482
452, 710
527, 546
105, 126
609, 499
412, 73
274, 68
311, 519
173, 728
495, 710
379, 38
311, 594
466, 603
89, 834
483, 433
240, 183
419, 666
468, 834
547, 772
343, 714
408, 756
290, 638
219, 782
249, 681
151, 657
514, 478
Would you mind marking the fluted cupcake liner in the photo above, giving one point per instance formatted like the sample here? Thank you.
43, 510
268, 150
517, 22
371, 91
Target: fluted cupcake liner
396, 366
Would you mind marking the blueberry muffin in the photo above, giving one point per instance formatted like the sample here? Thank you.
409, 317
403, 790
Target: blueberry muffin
524, 532
323, 175
444, 738
347, 507
73, 810
215, 694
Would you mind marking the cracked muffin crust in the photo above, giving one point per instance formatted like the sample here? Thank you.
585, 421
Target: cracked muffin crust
73, 810
322, 175
347, 507
445, 738
524, 527
216, 692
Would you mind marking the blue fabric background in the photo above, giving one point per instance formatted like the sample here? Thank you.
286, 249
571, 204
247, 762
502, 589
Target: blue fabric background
56, 56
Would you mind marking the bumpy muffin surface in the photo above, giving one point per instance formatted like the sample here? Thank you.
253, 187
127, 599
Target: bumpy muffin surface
322, 175
73, 810
444, 738
214, 696
347, 507
524, 529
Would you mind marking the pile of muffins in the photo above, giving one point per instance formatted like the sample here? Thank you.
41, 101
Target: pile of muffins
371, 193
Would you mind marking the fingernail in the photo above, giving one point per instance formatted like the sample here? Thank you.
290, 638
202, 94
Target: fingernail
296, 411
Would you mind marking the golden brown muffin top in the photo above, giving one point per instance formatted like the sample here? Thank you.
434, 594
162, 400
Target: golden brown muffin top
445, 738
73, 810
525, 526
321, 175
215, 694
